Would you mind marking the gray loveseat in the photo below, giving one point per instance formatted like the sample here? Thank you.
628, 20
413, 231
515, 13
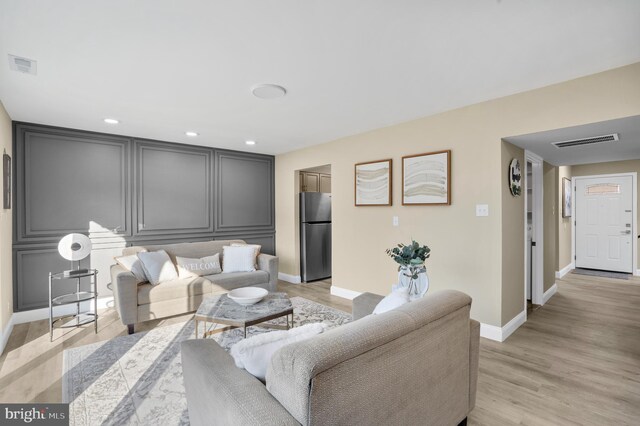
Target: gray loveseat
415, 365
142, 302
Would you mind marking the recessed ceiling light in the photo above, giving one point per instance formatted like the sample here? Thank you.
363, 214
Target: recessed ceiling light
268, 91
191, 134
250, 142
111, 121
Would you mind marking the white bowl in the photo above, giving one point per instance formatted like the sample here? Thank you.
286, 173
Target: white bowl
247, 295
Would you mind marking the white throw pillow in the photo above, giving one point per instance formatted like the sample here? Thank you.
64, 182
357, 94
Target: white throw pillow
395, 299
254, 353
157, 266
188, 267
257, 247
238, 259
132, 263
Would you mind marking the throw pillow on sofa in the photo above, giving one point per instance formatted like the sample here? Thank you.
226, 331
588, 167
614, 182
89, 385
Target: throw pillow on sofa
394, 300
254, 353
132, 264
188, 267
158, 267
257, 248
238, 259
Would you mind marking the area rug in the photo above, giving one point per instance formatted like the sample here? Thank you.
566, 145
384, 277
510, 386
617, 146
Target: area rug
137, 379
605, 274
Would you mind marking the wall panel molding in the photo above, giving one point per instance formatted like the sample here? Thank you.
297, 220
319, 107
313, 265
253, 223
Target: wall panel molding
244, 192
57, 169
183, 172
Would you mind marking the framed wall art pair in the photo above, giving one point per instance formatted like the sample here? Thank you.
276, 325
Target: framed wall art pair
426, 180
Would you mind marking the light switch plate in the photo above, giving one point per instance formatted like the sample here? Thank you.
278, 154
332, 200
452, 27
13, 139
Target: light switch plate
482, 209
396, 221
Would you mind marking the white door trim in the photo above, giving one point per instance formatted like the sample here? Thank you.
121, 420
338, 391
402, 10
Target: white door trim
537, 199
634, 204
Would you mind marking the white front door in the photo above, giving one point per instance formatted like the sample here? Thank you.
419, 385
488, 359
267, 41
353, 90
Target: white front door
604, 217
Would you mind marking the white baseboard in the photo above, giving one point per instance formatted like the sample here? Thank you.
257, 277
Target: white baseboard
637, 272
547, 294
4, 334
500, 334
294, 279
564, 271
344, 293
40, 314
490, 332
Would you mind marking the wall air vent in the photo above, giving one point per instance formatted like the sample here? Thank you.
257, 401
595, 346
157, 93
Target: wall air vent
24, 65
586, 141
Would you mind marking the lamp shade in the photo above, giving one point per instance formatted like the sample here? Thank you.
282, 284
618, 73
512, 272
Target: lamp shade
74, 247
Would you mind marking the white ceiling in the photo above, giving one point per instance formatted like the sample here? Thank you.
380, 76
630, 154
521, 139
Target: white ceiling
626, 148
163, 67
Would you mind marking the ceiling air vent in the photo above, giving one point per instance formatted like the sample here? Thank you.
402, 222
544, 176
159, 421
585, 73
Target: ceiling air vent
586, 141
27, 66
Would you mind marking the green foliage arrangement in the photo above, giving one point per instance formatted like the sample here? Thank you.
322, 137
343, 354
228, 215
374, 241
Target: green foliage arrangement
410, 255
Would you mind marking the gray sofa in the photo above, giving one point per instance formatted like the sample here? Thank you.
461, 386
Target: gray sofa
415, 365
136, 303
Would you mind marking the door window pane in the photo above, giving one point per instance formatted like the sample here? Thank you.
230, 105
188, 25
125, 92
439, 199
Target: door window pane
602, 189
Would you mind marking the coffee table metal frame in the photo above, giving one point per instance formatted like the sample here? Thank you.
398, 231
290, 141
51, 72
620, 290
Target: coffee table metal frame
231, 323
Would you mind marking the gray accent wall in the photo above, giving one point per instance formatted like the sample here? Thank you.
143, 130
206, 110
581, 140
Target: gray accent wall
124, 191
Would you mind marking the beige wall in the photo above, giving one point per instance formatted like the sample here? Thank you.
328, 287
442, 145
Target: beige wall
550, 207
512, 221
563, 247
467, 251
610, 168
6, 280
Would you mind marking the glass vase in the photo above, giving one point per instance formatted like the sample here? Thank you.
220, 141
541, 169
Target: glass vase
413, 277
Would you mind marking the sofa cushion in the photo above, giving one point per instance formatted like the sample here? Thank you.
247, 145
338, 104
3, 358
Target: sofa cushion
239, 259
188, 267
232, 280
393, 300
254, 353
132, 263
197, 250
175, 289
157, 266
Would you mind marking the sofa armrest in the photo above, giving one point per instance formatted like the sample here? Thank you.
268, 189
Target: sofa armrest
218, 392
125, 294
269, 263
364, 304
474, 356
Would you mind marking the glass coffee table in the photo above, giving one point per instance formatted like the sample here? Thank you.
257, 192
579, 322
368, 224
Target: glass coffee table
220, 309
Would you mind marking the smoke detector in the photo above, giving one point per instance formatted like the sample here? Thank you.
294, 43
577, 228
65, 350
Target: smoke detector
586, 141
23, 65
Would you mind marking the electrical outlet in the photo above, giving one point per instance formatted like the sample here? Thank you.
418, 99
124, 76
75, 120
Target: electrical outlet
396, 221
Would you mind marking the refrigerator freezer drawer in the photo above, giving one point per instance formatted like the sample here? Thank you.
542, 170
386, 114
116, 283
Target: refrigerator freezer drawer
316, 251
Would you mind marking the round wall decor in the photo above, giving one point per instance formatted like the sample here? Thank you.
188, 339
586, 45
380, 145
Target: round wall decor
515, 178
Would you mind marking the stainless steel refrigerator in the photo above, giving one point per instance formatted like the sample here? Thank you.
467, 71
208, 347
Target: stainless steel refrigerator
315, 236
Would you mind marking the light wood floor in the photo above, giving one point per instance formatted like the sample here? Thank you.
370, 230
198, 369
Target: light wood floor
575, 361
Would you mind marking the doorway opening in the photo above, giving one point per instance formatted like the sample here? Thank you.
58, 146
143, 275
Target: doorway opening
605, 223
533, 210
315, 224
